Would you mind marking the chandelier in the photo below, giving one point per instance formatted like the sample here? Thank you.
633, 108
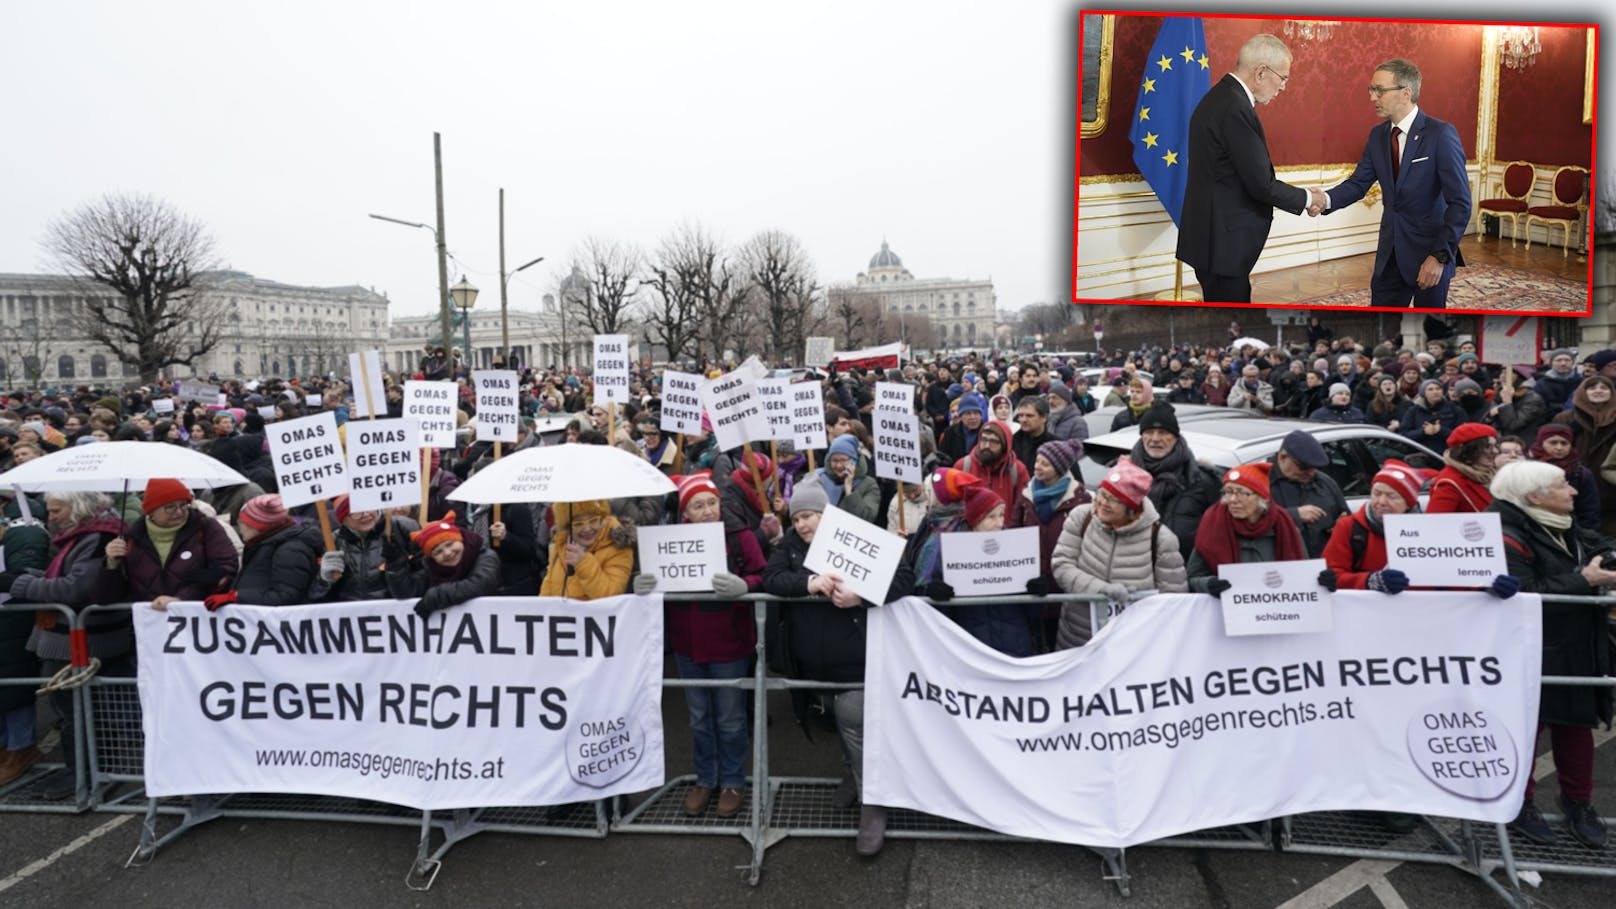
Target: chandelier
1308, 29
1518, 45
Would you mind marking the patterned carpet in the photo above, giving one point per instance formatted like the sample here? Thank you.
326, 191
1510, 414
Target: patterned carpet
1490, 287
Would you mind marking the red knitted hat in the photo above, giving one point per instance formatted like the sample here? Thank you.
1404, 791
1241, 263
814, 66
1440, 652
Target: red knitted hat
428, 537
950, 485
694, 484
1401, 477
1469, 432
1129, 482
1252, 476
342, 507
160, 491
981, 501
264, 513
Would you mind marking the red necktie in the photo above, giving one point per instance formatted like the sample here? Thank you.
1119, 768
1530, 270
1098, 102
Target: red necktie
1397, 159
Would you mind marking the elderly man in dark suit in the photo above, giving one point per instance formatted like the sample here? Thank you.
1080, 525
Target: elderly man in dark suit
1420, 165
1231, 193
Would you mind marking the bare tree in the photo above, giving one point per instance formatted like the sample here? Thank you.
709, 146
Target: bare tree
30, 344
859, 318
1047, 319
695, 277
610, 267
671, 315
783, 281
152, 256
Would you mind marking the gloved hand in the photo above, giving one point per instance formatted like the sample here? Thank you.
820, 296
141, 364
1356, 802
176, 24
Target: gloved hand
1328, 580
771, 527
1505, 586
1116, 593
939, 591
1388, 580
6, 578
332, 566
644, 583
425, 607
214, 601
394, 554
1216, 586
1038, 587
728, 585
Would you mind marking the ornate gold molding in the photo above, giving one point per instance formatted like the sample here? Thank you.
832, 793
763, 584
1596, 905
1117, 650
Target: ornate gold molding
1102, 97
1588, 82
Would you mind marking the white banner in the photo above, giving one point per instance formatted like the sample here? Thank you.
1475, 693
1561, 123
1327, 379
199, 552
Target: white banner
683, 557
986, 564
369, 387
501, 701
681, 402
309, 463
884, 357
863, 555
807, 415
737, 417
776, 403
432, 406
1446, 550
611, 369
497, 409
384, 464
1438, 718
897, 446
1275, 597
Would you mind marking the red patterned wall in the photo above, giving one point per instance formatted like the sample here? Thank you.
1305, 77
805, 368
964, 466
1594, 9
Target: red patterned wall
1324, 116
1546, 100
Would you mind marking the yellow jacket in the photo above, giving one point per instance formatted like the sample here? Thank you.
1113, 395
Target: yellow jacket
602, 572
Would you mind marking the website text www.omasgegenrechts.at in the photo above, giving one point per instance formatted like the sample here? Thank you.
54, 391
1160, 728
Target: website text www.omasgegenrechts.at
383, 766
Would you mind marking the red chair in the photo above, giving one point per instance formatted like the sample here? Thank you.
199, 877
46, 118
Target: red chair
1569, 190
1520, 177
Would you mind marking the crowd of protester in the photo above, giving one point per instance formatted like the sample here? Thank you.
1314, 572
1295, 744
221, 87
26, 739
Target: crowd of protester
1001, 440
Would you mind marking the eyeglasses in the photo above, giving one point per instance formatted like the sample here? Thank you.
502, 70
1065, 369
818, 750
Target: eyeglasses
1378, 90
1237, 493
1283, 77
174, 507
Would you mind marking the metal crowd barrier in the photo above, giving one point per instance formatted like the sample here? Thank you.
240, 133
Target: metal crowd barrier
108, 763
26, 792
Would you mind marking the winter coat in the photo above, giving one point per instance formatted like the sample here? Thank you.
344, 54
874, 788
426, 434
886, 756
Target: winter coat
1331, 413
1261, 400
1024, 446
1352, 569
1453, 493
864, 502
720, 632
406, 581
281, 568
26, 546
521, 556
602, 572
1005, 476
820, 641
1321, 491
201, 561
77, 577
1023, 514
1556, 389
1594, 445
1143, 555
363, 565
1522, 417
1575, 636
1182, 496
1419, 413
1068, 424
228, 500
954, 445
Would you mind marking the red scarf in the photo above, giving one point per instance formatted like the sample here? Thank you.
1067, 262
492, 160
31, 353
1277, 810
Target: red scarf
1218, 537
104, 524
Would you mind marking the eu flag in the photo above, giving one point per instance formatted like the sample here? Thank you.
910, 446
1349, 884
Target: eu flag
1177, 73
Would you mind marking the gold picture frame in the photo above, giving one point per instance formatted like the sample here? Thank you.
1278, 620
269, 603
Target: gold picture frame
1095, 87
1588, 82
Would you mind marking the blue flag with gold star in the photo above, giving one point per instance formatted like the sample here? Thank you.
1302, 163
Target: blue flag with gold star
1177, 73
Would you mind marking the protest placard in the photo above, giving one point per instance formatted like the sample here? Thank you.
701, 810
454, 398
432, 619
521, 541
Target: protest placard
1275, 598
736, 414
753, 367
316, 399
1446, 550
369, 386
384, 463
162, 405
309, 463
682, 557
196, 391
897, 446
267, 411
432, 406
807, 415
497, 407
498, 701
987, 564
818, 351
681, 402
863, 555
222, 401
894, 397
776, 407
611, 369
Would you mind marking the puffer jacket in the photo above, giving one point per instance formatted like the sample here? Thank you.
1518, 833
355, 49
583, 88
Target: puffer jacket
280, 568
1087, 557
199, 563
363, 577
406, 581
1068, 424
602, 572
26, 546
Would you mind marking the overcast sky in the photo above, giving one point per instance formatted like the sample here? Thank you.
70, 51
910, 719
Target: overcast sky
944, 126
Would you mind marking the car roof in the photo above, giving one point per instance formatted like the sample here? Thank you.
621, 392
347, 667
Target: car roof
1100, 418
1228, 443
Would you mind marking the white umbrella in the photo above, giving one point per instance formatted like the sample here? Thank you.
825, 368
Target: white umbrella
116, 466
1258, 343
564, 473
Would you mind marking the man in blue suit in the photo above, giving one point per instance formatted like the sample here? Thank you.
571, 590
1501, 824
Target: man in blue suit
1420, 165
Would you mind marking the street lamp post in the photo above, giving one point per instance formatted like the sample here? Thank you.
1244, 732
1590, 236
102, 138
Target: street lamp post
447, 339
504, 282
464, 296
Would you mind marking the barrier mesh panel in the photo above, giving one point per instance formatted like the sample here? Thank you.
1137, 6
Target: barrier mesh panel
1564, 853
119, 740
1328, 830
576, 816
668, 809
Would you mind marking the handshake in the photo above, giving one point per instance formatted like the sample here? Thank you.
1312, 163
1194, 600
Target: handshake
1317, 202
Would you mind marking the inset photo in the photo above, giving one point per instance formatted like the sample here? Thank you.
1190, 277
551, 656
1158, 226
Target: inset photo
1335, 164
